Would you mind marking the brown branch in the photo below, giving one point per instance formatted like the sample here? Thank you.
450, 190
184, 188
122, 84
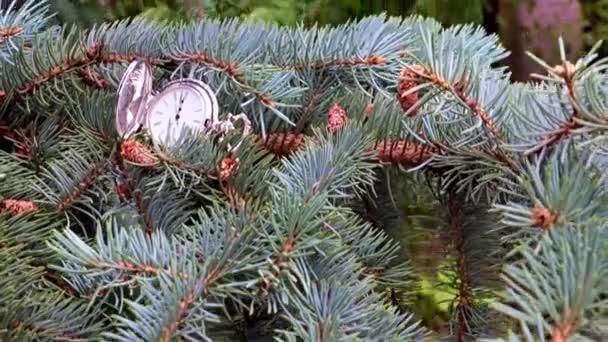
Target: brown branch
88, 180
321, 327
566, 72
458, 91
232, 69
562, 331
456, 222
303, 116
181, 313
92, 78
393, 151
400, 152
53, 335
7, 32
68, 65
136, 193
277, 264
184, 165
114, 57
188, 300
369, 61
130, 267
144, 210
92, 54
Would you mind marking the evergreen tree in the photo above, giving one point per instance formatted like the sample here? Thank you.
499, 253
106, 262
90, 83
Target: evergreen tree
283, 233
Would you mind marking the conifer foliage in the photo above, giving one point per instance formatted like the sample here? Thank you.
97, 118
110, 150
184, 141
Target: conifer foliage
103, 238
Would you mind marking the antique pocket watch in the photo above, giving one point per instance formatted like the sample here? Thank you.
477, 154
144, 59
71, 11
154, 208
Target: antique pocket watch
181, 106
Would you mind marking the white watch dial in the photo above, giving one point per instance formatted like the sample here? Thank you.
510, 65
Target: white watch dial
183, 105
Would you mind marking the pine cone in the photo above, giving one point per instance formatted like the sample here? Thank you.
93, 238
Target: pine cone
137, 153
283, 143
336, 118
16, 207
228, 167
407, 81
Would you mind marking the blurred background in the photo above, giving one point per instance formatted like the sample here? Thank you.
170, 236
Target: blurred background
523, 25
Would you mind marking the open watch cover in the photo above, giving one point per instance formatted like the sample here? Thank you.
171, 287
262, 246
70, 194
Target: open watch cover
133, 92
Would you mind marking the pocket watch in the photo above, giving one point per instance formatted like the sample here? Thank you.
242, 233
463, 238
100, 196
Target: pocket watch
183, 105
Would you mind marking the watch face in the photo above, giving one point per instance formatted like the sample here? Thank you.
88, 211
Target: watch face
133, 92
183, 105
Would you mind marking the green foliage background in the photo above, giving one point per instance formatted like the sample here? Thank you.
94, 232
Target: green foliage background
290, 12
285, 12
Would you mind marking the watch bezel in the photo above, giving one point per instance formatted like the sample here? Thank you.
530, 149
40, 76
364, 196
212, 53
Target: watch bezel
199, 87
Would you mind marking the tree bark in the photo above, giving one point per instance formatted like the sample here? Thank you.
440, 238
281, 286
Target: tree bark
535, 26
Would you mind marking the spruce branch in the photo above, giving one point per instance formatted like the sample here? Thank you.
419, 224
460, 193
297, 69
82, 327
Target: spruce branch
135, 193
458, 90
18, 26
456, 218
550, 192
567, 72
92, 78
57, 318
473, 276
568, 101
73, 176
331, 310
231, 69
85, 183
376, 253
47, 72
557, 290
338, 63
307, 181
10, 31
172, 306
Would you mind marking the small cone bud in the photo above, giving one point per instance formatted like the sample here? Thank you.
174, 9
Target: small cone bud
336, 118
94, 50
16, 207
137, 153
543, 218
566, 70
369, 111
228, 167
407, 81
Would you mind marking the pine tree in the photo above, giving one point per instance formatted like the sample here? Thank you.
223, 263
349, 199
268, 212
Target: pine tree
284, 233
